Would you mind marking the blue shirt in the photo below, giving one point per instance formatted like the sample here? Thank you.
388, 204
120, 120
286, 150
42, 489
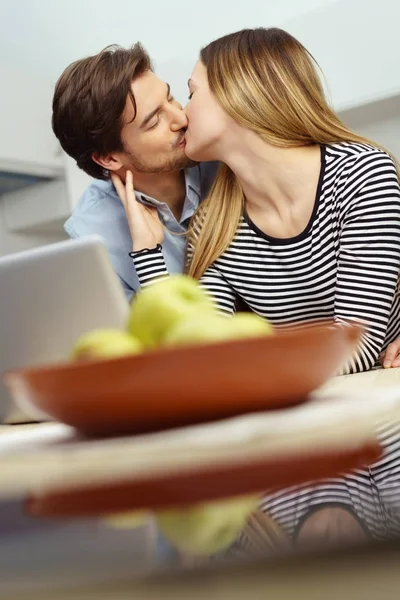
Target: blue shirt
100, 211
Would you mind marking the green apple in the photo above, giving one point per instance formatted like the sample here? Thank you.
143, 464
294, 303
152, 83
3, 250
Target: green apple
105, 343
206, 529
157, 308
200, 329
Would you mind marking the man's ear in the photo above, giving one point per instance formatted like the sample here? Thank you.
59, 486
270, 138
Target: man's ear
109, 162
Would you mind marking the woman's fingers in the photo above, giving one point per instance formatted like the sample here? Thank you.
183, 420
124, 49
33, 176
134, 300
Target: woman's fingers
129, 188
119, 186
391, 353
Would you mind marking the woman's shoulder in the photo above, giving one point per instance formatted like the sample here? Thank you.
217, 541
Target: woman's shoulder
351, 154
349, 162
358, 172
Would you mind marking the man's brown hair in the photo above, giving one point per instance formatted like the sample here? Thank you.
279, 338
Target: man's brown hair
89, 100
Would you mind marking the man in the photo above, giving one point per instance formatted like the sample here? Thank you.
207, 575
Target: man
112, 114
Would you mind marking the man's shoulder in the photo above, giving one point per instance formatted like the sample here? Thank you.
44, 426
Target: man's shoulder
96, 192
95, 199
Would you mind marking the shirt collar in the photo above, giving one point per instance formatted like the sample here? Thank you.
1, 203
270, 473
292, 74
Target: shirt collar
192, 178
193, 190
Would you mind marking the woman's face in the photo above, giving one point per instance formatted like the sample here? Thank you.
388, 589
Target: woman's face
207, 119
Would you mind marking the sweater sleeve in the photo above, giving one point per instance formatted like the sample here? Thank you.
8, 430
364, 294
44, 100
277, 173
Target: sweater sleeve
150, 267
369, 254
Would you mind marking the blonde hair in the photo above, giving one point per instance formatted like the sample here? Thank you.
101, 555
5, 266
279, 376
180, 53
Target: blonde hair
267, 82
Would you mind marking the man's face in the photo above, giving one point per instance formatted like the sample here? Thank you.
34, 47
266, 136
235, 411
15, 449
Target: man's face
154, 142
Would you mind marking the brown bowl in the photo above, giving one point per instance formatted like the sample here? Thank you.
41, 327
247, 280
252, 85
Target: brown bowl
181, 386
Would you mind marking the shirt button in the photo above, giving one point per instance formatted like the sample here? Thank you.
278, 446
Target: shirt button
166, 218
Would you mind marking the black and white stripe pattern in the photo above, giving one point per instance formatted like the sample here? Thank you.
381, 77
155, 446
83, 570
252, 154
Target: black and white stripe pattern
373, 494
343, 266
149, 271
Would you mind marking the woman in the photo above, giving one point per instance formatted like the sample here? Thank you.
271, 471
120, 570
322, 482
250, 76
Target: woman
302, 223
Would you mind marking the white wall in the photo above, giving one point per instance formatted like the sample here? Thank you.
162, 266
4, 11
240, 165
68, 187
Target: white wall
25, 109
378, 121
46, 35
37, 207
14, 242
355, 42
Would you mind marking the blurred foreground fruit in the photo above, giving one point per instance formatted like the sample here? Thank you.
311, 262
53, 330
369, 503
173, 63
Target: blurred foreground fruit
196, 329
105, 343
157, 308
206, 529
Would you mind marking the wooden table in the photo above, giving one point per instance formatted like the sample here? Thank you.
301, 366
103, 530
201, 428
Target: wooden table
247, 454
41, 459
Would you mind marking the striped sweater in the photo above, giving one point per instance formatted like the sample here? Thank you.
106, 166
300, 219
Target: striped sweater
344, 266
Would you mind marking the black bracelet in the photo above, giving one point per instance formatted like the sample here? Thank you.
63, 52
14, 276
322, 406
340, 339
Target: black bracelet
145, 251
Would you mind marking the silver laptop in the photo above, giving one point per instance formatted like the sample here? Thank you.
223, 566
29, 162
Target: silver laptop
49, 296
